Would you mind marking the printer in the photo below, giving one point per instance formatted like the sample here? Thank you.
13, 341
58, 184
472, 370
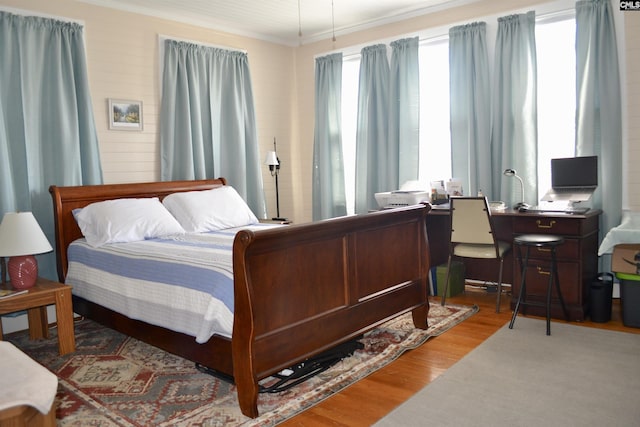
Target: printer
394, 199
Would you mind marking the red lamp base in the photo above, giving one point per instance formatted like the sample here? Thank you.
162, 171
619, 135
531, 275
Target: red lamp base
23, 271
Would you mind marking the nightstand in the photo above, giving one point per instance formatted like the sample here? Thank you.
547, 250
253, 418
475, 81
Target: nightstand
35, 301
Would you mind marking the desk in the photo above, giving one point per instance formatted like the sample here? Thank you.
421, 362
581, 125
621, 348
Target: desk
577, 257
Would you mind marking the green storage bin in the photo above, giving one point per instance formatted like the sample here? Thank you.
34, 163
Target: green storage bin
630, 299
456, 278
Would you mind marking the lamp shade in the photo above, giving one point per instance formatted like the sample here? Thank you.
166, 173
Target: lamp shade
271, 159
20, 234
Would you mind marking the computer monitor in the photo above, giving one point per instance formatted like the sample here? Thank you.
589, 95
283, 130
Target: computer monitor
573, 179
574, 172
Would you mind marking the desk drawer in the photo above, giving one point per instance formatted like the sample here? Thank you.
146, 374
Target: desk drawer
538, 280
569, 250
547, 225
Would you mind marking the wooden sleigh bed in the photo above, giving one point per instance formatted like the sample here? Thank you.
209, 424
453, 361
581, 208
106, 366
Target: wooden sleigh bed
298, 290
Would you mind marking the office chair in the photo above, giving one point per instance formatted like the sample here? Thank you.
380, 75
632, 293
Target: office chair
472, 236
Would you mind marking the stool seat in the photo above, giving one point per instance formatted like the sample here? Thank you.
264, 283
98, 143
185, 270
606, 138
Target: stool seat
538, 240
550, 242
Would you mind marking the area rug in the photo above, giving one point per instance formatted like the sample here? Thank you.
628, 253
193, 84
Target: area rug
115, 380
578, 376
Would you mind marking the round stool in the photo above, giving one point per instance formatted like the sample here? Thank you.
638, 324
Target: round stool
550, 242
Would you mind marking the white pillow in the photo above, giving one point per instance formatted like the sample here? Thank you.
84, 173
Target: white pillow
126, 220
208, 210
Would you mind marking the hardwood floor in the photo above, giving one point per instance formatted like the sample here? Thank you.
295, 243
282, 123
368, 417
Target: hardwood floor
370, 399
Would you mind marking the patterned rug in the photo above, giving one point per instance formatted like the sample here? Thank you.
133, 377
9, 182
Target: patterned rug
115, 380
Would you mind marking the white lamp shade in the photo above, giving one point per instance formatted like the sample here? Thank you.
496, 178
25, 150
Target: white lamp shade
20, 234
271, 159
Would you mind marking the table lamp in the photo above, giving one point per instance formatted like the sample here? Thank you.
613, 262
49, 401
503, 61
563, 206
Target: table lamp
20, 239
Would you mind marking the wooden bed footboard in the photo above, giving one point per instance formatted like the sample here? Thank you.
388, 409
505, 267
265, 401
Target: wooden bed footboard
299, 290
306, 288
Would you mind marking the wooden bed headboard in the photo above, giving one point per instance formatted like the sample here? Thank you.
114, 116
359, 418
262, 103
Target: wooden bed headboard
66, 199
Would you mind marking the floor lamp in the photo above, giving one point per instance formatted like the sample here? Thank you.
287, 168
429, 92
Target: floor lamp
273, 162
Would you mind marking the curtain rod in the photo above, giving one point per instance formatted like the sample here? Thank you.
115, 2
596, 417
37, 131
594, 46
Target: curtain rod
557, 9
162, 37
25, 12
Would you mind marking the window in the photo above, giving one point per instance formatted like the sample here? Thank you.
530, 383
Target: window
350, 79
435, 135
555, 43
555, 50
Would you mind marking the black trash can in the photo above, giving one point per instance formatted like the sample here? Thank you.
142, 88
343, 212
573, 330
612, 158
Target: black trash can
600, 295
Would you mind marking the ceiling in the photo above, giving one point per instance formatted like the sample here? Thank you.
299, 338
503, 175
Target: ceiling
280, 21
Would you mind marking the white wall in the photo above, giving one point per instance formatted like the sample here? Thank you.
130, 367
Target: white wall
631, 88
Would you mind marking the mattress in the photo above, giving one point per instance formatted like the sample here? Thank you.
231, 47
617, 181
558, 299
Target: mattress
183, 283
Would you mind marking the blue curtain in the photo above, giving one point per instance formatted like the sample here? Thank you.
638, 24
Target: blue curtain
329, 198
598, 108
470, 107
207, 119
47, 129
404, 112
514, 131
373, 170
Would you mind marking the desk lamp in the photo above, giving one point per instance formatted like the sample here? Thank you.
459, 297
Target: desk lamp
521, 206
20, 238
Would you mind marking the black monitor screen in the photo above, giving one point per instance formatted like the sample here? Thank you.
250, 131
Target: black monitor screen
574, 172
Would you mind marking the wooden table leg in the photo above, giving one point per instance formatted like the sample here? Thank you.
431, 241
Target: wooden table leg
38, 323
24, 415
64, 316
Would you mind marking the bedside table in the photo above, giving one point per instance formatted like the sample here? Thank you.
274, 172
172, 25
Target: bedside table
35, 301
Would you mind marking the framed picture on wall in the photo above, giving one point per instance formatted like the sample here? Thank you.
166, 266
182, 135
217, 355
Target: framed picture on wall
125, 114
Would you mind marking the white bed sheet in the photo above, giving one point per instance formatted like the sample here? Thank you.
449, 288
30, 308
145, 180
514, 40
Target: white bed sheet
627, 232
199, 308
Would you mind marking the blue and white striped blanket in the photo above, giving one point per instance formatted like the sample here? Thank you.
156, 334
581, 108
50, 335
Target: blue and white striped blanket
183, 283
